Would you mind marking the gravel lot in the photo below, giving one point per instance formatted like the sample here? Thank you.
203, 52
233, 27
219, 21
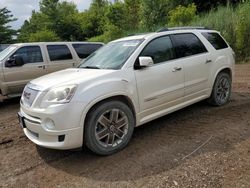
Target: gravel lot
199, 146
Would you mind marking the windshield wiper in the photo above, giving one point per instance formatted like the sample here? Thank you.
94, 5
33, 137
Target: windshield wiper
91, 67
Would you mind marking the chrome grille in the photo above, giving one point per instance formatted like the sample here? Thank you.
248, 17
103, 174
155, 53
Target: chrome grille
28, 96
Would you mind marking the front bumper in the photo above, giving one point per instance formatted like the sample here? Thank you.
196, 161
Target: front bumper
68, 130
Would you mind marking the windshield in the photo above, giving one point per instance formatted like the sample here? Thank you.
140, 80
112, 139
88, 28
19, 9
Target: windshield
7, 51
111, 56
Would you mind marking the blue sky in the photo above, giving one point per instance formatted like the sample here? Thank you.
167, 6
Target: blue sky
21, 9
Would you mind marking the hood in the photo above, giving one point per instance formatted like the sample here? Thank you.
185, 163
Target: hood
67, 76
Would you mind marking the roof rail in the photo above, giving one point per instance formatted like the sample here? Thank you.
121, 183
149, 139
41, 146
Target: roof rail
134, 34
182, 28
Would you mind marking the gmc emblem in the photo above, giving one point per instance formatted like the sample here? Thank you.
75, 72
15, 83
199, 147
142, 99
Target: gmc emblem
26, 95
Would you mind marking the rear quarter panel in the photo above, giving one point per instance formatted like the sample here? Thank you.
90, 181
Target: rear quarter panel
223, 59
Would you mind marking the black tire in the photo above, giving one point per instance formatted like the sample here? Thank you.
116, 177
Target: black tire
220, 90
96, 123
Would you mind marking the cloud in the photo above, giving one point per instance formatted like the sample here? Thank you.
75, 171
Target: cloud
22, 9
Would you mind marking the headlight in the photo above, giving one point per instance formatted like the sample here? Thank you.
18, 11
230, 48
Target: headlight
58, 95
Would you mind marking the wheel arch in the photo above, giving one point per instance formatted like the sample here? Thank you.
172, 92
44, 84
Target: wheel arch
119, 97
227, 70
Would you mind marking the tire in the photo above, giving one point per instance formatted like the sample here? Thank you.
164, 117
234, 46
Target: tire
109, 127
221, 92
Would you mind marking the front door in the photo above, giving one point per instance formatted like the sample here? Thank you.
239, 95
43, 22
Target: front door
161, 85
16, 77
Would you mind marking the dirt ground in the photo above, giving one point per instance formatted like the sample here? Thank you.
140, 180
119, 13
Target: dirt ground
199, 146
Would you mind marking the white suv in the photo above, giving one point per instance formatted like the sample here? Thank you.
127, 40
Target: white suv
125, 84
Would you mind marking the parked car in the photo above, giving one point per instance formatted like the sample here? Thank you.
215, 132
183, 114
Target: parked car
20, 63
127, 83
3, 46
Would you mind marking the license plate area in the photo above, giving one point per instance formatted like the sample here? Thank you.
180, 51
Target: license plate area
21, 120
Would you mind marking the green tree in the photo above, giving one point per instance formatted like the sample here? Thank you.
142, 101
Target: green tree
154, 13
133, 14
182, 15
49, 7
37, 22
43, 36
67, 26
62, 16
6, 33
116, 14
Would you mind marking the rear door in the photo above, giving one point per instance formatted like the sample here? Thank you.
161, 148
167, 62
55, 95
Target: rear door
59, 57
34, 66
195, 59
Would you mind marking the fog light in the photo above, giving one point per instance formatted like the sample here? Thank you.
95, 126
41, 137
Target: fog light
61, 138
49, 123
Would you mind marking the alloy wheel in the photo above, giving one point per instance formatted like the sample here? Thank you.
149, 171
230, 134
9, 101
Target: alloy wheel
111, 128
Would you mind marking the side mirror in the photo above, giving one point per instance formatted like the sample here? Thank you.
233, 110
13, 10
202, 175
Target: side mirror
16, 60
145, 61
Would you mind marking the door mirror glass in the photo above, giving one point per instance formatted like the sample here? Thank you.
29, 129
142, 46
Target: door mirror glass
15, 61
145, 61
18, 60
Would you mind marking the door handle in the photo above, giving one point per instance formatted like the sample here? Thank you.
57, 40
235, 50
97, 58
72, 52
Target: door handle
41, 66
176, 69
208, 61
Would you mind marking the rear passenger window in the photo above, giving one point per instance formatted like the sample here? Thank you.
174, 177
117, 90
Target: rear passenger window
216, 40
188, 44
30, 54
84, 50
160, 50
59, 52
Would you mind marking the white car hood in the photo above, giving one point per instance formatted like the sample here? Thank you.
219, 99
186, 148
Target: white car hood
67, 76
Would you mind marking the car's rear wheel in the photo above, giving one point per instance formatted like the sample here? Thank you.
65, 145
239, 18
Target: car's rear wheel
109, 127
221, 90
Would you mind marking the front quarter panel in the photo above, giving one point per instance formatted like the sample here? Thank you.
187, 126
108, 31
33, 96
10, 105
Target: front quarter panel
120, 82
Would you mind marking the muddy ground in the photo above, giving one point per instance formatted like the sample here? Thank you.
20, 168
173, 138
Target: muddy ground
199, 146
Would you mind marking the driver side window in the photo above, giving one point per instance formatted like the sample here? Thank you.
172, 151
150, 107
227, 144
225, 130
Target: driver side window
29, 54
160, 50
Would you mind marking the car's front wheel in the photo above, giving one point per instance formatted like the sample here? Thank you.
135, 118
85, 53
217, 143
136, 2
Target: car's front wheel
109, 127
221, 90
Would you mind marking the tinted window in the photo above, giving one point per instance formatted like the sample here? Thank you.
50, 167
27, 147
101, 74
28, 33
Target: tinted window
160, 50
59, 52
216, 40
30, 54
188, 44
84, 50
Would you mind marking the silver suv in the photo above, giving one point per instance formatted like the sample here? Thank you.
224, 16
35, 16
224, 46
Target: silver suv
21, 63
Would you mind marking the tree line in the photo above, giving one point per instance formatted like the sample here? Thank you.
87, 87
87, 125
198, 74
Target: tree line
105, 20
58, 20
